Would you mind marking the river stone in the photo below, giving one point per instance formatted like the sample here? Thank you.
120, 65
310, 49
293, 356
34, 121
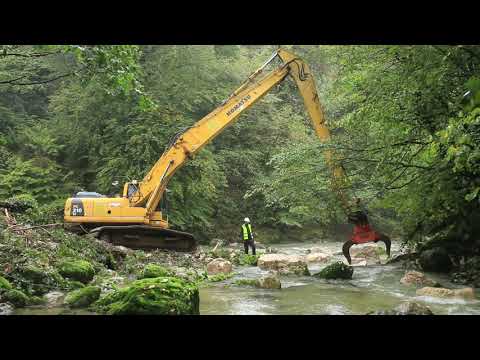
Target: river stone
79, 270
418, 278
369, 253
285, 264
269, 281
405, 308
336, 270
53, 298
465, 293
6, 309
155, 270
317, 257
435, 260
219, 265
82, 297
153, 296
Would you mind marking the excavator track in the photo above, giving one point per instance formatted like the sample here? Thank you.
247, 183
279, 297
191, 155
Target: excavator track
146, 237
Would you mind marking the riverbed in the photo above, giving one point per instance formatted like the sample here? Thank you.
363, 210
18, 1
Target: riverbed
373, 287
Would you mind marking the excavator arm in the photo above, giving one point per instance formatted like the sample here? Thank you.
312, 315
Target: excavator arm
185, 145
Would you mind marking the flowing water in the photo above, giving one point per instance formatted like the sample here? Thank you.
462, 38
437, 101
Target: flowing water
373, 287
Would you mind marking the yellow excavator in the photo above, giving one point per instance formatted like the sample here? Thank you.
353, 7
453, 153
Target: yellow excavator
136, 219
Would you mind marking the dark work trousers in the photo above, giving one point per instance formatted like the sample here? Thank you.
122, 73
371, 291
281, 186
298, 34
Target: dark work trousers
247, 243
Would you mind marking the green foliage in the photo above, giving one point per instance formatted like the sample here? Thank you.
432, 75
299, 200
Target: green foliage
19, 203
220, 277
246, 282
4, 283
248, 259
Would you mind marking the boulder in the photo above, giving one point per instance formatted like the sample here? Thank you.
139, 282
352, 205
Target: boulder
5, 284
79, 270
336, 270
152, 296
53, 298
465, 293
15, 297
405, 308
370, 253
82, 297
219, 266
154, 270
418, 278
435, 260
269, 281
315, 249
6, 309
285, 264
317, 257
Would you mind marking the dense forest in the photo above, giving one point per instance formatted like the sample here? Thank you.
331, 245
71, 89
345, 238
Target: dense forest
405, 122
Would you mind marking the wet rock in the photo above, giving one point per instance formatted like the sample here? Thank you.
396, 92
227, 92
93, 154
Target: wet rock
120, 251
269, 281
5, 284
260, 246
15, 297
406, 308
82, 297
315, 249
285, 264
53, 298
317, 257
465, 293
79, 270
6, 309
370, 253
418, 278
270, 250
153, 296
336, 270
219, 266
155, 270
435, 260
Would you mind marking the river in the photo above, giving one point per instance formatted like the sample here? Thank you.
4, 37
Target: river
373, 287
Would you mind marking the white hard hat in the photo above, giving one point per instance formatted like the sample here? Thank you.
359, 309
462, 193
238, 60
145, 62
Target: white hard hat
246, 220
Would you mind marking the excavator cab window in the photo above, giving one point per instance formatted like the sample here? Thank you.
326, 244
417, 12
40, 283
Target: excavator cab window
132, 189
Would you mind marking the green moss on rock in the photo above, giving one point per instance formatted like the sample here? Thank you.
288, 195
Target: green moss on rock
152, 296
219, 277
336, 270
83, 297
154, 271
36, 300
79, 270
16, 298
4, 283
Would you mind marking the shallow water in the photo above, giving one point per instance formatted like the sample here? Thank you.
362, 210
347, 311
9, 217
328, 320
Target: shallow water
372, 288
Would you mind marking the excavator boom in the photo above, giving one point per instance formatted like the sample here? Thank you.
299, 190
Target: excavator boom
131, 219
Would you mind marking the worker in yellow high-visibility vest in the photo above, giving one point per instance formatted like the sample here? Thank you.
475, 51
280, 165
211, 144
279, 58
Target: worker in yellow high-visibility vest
247, 236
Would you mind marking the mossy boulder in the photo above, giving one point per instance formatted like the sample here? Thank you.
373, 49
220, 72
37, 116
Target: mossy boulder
5, 284
15, 297
78, 270
152, 296
435, 260
82, 297
246, 282
154, 271
34, 274
336, 270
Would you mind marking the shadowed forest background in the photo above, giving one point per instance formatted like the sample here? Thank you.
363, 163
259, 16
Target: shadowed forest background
405, 123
